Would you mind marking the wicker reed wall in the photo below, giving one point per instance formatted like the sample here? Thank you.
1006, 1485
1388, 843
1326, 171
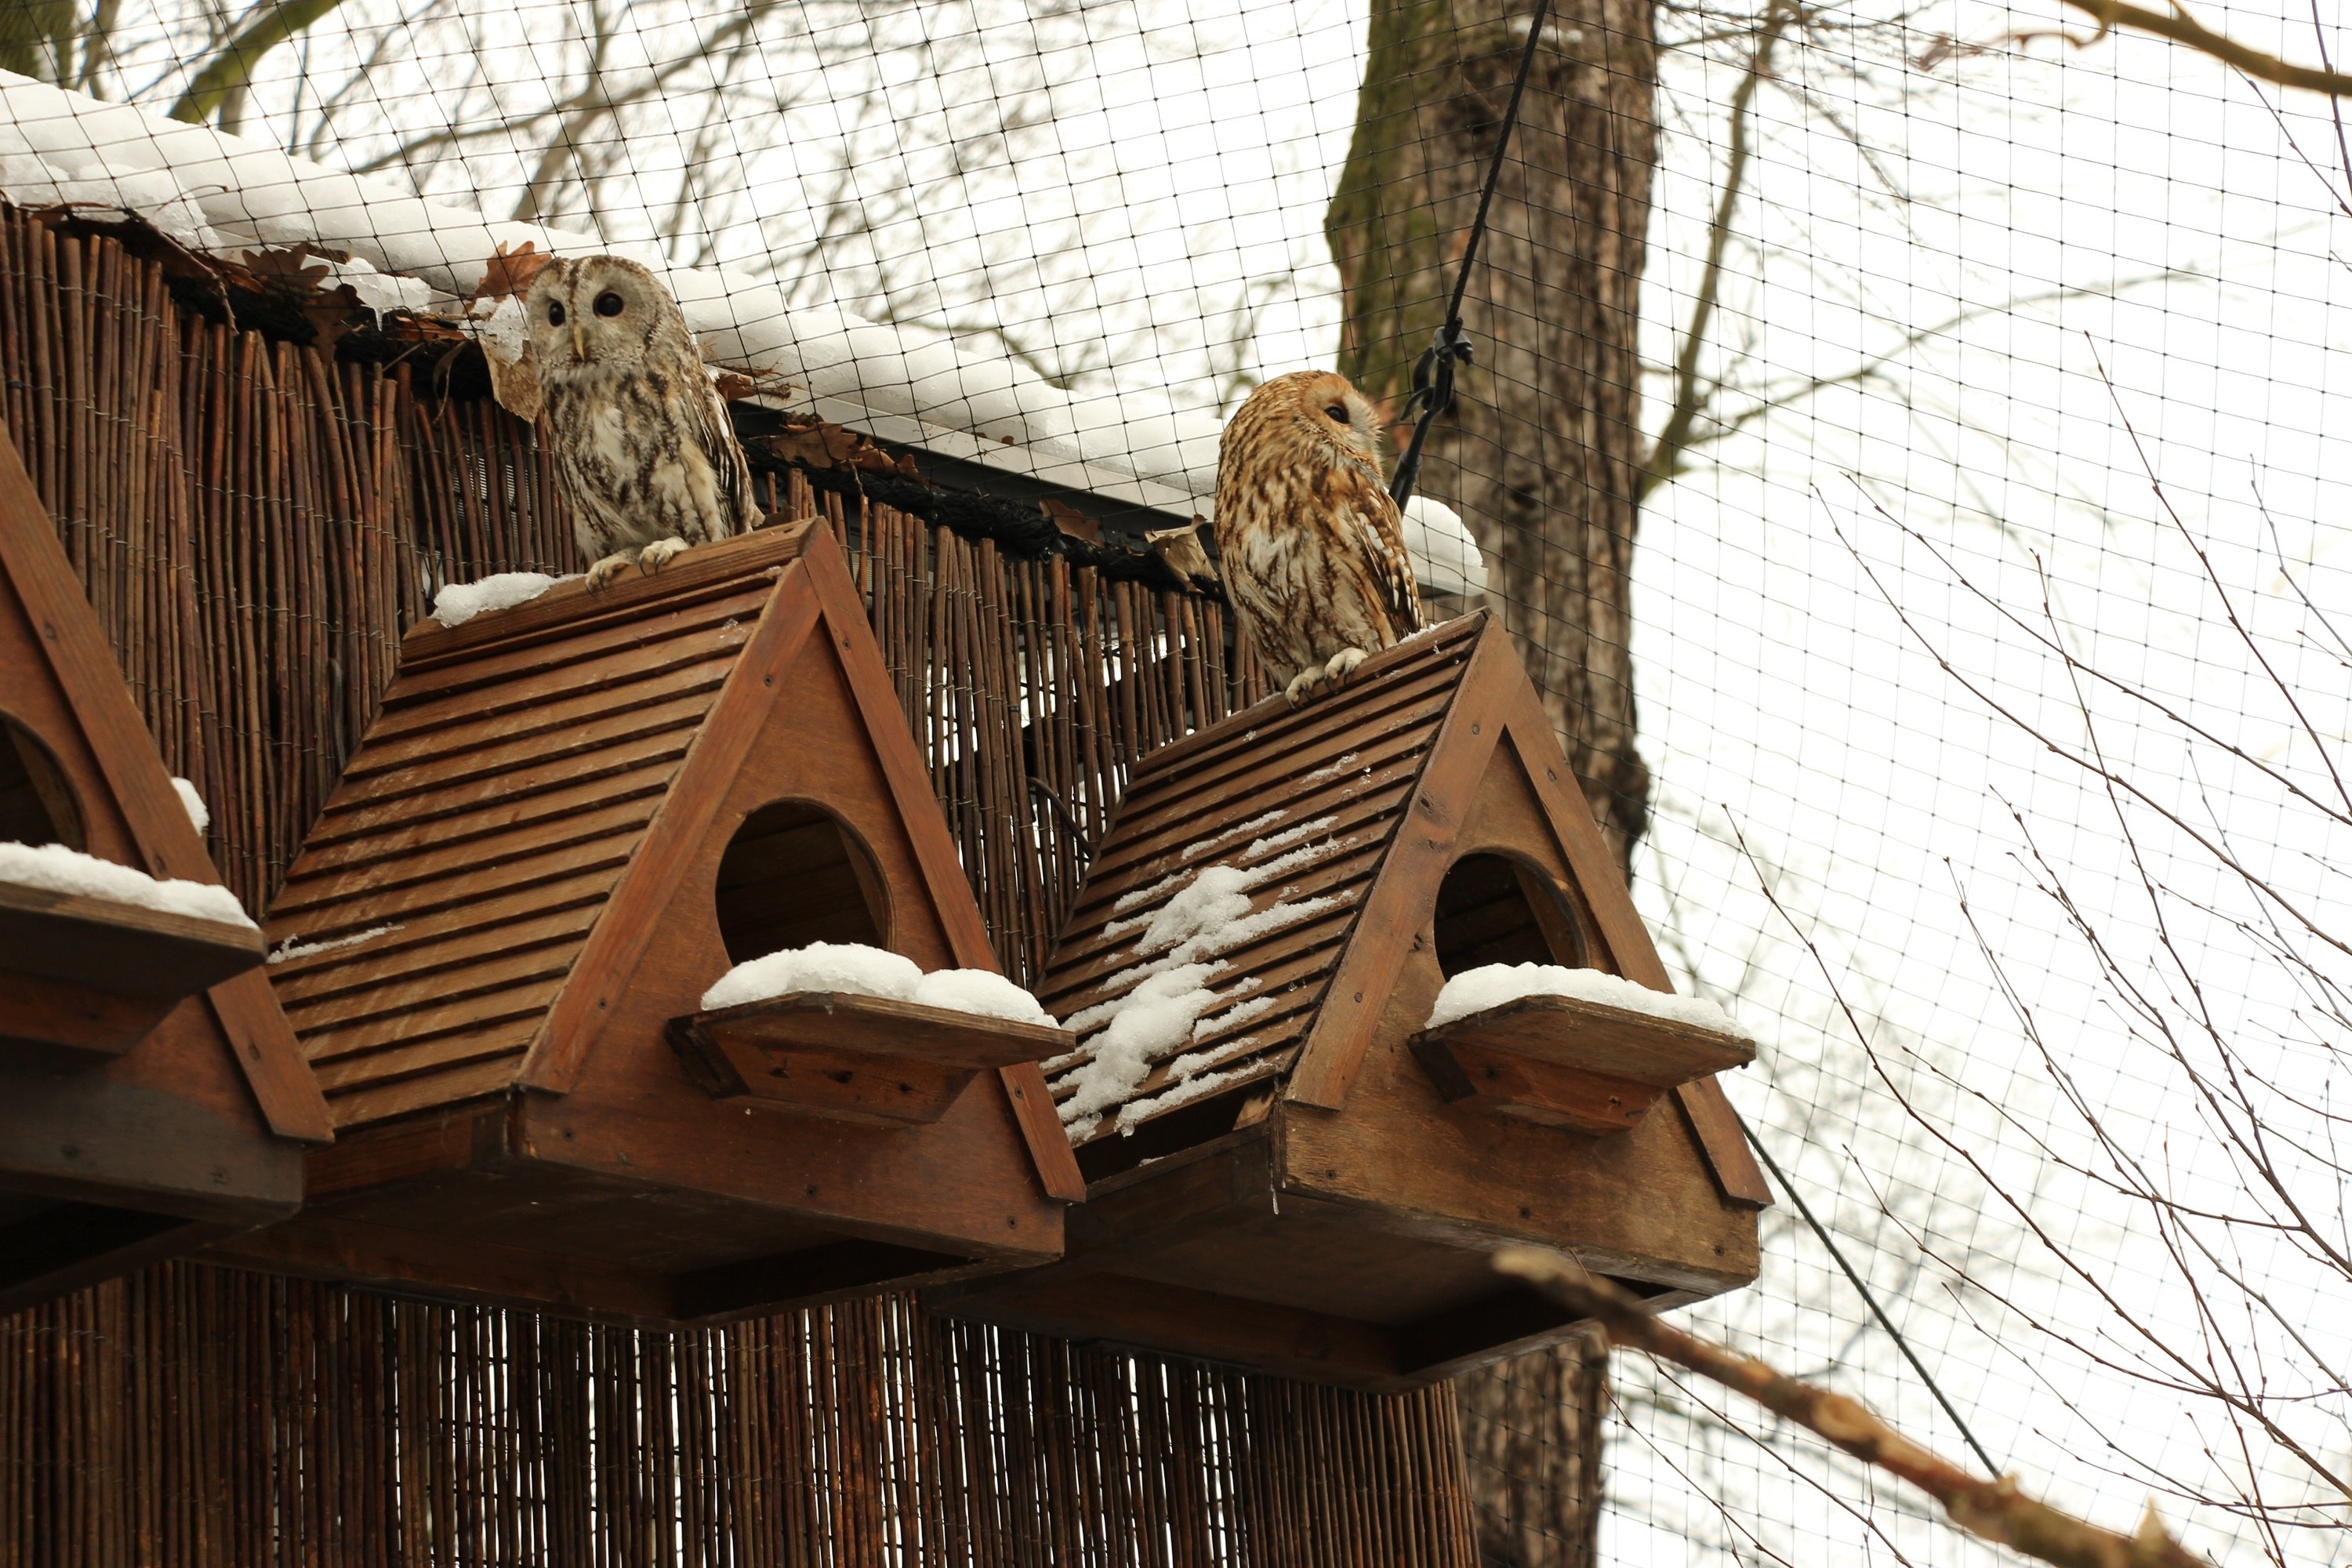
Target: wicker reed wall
255, 525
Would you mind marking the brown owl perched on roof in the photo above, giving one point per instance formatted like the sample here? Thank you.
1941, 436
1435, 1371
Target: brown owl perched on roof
1308, 542
642, 443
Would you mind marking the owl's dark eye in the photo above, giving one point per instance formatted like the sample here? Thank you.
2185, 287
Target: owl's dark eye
608, 303
554, 314
1338, 410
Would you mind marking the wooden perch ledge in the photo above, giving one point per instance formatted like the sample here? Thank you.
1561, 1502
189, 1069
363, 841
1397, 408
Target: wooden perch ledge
855, 1058
1567, 1062
1994, 1511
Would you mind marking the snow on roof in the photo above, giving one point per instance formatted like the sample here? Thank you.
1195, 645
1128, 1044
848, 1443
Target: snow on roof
221, 193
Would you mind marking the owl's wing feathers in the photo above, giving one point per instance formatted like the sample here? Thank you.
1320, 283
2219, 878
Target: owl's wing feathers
1371, 519
704, 415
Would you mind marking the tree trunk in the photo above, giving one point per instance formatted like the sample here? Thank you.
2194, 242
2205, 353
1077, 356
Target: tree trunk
1531, 1435
1542, 456
1542, 453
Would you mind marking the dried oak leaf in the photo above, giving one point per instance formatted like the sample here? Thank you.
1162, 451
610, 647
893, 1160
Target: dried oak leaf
510, 272
1071, 521
819, 445
293, 276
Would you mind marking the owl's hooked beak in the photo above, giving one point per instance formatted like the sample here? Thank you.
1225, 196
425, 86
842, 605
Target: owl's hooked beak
579, 343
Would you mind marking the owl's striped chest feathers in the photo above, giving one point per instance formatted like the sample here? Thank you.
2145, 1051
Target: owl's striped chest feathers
632, 462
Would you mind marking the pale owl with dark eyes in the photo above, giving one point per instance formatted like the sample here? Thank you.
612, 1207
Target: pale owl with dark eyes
641, 441
1309, 544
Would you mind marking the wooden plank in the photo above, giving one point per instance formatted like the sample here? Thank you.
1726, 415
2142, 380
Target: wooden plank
863, 1058
126, 949
1273, 718
405, 994
329, 1047
458, 892
876, 1027
347, 819
52, 1012
727, 729
1608, 1042
430, 1091
1716, 1126
525, 663
493, 764
448, 745
568, 668
1042, 1134
1393, 909
885, 724
498, 815
568, 606
387, 959
811, 1080
1510, 1084
543, 836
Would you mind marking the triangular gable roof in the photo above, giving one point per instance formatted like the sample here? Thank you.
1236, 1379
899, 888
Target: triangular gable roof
1310, 805
494, 865
63, 683
1313, 794
453, 879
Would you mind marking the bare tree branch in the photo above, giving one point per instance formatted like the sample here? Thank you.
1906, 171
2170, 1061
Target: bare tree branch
1994, 1511
2176, 24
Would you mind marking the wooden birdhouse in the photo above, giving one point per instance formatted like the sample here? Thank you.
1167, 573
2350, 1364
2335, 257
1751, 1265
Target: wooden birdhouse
1287, 1167
570, 819
151, 1097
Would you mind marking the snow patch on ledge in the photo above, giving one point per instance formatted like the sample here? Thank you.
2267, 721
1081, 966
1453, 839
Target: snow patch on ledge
198, 813
858, 970
53, 868
458, 603
1493, 984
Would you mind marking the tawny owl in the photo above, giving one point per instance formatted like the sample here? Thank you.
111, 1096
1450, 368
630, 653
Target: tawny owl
642, 443
1310, 545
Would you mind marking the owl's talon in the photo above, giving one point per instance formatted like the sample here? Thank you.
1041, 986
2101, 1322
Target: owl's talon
1343, 664
600, 576
1302, 685
658, 555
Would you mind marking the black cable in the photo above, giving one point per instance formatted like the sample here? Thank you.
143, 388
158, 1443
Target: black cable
1870, 1300
1433, 377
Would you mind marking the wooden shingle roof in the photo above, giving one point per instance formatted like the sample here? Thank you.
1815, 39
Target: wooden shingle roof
1304, 804
452, 881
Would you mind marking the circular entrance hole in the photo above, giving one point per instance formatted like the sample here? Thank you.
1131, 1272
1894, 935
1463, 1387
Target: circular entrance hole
794, 874
1494, 910
35, 806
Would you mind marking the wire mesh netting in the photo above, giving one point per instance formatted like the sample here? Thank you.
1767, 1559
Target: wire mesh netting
1900, 439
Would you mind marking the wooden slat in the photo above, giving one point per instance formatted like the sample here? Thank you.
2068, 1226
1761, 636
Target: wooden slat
126, 949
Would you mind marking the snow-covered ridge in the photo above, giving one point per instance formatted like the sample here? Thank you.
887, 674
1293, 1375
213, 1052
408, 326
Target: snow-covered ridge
53, 868
458, 603
1493, 984
858, 970
222, 194
1170, 997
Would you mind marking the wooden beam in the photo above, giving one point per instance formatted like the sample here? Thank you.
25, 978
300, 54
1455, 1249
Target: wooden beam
127, 949
52, 1012
1533, 1090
